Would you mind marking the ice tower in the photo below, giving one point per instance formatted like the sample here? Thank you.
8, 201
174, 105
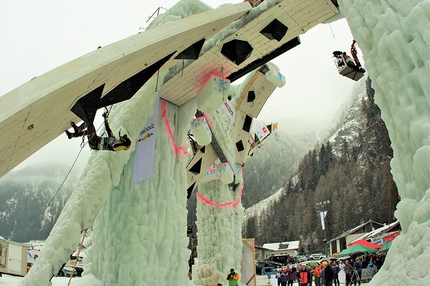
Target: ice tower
394, 38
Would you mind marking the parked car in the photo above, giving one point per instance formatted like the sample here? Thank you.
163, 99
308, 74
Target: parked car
269, 271
283, 259
301, 258
259, 265
316, 256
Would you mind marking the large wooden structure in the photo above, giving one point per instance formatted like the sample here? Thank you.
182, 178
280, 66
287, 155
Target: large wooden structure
40, 110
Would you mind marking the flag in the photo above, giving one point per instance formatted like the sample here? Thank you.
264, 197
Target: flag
323, 215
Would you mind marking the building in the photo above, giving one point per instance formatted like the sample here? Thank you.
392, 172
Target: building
382, 234
277, 248
340, 242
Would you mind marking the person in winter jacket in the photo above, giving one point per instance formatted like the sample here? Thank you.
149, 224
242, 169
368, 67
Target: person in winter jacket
303, 276
233, 278
359, 267
311, 274
278, 276
283, 278
317, 274
291, 273
336, 271
349, 270
322, 277
328, 273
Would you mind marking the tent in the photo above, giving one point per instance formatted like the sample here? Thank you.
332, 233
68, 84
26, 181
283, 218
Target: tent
385, 246
355, 249
366, 243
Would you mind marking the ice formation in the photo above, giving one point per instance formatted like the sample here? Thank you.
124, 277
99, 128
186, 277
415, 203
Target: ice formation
140, 231
394, 37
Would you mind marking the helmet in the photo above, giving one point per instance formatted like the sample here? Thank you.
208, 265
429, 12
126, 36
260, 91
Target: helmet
324, 263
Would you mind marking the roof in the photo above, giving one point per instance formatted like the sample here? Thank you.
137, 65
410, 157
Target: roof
379, 231
356, 229
276, 246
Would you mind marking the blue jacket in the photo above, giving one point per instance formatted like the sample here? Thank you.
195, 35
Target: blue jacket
358, 266
283, 277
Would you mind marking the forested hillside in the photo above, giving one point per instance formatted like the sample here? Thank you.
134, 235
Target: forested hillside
272, 164
31, 201
351, 171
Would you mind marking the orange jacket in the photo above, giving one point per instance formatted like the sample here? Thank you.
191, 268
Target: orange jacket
317, 271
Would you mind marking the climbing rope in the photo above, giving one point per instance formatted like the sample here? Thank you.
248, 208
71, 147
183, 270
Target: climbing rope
58, 190
332, 33
56, 193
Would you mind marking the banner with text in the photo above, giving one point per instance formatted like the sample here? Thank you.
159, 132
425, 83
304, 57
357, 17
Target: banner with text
145, 148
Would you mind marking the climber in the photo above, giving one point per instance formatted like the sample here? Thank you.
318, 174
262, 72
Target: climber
110, 143
343, 58
348, 67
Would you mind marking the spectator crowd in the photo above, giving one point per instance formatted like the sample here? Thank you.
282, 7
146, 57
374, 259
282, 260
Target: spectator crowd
326, 273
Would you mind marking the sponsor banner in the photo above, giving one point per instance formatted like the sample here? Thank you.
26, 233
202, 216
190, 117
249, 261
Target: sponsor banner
145, 148
262, 132
224, 117
229, 110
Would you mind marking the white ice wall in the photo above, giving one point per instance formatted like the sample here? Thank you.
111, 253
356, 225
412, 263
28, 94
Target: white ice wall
140, 234
394, 37
219, 233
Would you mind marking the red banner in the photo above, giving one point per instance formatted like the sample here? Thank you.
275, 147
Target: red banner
391, 236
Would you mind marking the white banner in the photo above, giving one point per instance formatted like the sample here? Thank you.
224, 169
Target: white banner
145, 148
229, 110
323, 215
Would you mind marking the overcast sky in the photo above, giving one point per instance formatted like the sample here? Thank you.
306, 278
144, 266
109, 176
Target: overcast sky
38, 36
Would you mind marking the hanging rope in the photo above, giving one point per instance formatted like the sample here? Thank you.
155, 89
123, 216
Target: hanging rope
83, 142
58, 190
332, 32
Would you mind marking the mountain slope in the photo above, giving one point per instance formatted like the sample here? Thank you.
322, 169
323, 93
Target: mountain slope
272, 164
32, 199
350, 170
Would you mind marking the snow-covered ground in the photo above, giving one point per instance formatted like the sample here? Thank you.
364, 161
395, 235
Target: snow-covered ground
8, 280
